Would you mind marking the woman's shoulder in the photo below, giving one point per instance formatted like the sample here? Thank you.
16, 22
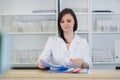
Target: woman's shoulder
53, 38
80, 38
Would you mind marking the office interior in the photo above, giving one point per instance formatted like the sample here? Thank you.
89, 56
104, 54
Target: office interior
26, 25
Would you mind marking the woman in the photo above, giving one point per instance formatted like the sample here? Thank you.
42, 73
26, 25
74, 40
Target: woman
67, 49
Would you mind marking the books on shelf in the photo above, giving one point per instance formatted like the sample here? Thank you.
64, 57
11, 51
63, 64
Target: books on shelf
25, 56
107, 25
100, 55
80, 9
32, 26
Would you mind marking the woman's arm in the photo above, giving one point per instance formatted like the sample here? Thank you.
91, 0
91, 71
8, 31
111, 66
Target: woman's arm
45, 55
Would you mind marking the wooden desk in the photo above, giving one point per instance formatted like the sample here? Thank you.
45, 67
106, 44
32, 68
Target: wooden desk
41, 75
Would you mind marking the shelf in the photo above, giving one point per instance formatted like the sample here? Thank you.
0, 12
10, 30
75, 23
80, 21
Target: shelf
114, 63
32, 33
96, 32
23, 65
27, 14
105, 13
81, 13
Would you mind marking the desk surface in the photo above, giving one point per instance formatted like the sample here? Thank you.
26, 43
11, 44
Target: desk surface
111, 74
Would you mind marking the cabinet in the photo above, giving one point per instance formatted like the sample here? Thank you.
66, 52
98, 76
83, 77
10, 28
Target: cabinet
31, 22
105, 33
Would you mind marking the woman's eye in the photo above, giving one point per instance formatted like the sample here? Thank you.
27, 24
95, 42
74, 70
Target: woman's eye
68, 20
61, 21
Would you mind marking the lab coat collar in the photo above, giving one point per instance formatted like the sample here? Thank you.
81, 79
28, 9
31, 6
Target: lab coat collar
75, 42
76, 39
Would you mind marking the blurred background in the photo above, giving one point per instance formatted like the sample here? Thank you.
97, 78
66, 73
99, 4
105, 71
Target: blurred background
5, 52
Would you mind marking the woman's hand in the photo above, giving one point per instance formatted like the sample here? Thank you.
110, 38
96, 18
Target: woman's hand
76, 61
39, 64
79, 62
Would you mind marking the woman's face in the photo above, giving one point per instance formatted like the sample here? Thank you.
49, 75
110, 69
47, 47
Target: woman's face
67, 23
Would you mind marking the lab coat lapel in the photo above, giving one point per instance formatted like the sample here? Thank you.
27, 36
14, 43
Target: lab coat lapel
74, 43
62, 44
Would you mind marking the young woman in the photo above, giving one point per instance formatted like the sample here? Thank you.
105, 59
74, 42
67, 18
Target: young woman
67, 49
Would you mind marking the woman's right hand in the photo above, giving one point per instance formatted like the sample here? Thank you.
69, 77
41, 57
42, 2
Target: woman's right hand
77, 61
39, 65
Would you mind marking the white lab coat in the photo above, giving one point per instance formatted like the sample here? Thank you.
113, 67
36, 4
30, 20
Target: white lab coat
55, 51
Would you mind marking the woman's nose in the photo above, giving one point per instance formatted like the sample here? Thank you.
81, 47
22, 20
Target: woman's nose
65, 23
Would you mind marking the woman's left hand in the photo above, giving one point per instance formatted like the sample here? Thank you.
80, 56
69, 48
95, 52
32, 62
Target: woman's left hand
76, 61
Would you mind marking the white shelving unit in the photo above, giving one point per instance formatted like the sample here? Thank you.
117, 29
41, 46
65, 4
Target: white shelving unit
31, 22
105, 32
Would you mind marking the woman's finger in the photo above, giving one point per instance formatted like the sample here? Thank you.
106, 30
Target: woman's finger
76, 61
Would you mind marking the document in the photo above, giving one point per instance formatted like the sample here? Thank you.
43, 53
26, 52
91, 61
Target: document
53, 66
62, 69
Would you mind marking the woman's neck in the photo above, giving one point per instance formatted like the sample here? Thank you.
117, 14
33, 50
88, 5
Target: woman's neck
69, 36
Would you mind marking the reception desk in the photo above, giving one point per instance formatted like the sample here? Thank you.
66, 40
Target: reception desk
43, 75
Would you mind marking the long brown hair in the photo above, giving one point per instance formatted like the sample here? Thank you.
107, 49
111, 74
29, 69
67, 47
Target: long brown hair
63, 12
